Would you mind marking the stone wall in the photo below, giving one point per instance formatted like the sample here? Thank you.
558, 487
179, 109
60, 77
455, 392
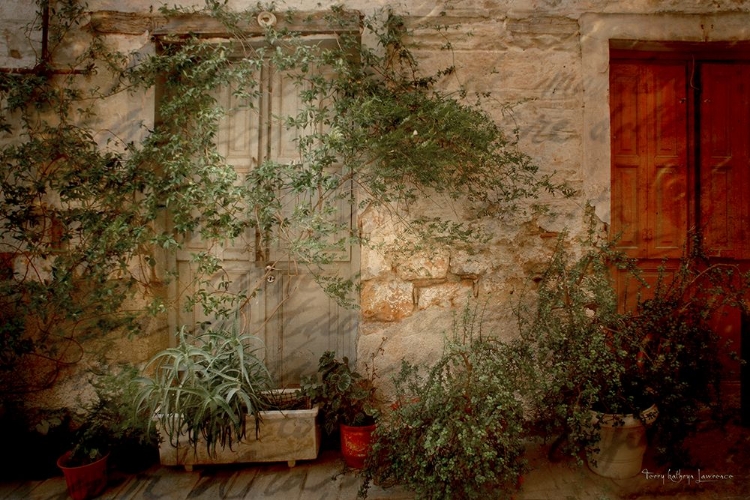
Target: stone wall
545, 64
530, 65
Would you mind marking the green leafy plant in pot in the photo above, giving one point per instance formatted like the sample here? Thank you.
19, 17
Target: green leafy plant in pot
624, 406
670, 351
347, 403
588, 365
85, 466
680, 353
600, 365
564, 331
205, 386
112, 434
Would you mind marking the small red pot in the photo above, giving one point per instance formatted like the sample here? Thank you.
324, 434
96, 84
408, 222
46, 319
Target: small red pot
355, 444
85, 481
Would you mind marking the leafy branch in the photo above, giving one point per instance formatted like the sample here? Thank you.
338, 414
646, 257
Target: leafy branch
88, 223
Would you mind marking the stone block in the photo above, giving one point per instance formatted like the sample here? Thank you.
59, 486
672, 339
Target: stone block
425, 266
373, 264
418, 339
473, 265
445, 295
390, 300
545, 32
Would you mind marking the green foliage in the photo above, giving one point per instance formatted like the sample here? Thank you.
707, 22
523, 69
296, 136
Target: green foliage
570, 334
680, 356
458, 431
205, 386
73, 231
88, 217
111, 424
588, 354
344, 395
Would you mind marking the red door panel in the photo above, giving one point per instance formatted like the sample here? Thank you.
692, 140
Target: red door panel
724, 178
652, 198
667, 160
724, 173
628, 151
649, 158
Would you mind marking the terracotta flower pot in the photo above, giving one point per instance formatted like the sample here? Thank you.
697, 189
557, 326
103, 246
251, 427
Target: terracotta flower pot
85, 481
355, 444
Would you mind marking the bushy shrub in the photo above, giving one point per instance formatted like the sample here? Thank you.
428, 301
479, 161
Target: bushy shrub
457, 431
592, 353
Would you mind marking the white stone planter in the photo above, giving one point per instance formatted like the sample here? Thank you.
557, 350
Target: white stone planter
622, 443
284, 436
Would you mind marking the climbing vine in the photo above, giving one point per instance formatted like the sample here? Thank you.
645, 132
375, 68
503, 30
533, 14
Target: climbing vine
90, 218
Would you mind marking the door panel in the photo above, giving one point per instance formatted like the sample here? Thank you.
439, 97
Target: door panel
629, 207
239, 131
628, 201
277, 299
649, 166
666, 138
308, 324
649, 158
724, 173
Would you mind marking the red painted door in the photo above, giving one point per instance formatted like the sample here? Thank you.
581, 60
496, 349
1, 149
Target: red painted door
649, 126
724, 177
724, 159
680, 145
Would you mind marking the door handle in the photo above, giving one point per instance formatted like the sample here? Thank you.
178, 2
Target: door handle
270, 277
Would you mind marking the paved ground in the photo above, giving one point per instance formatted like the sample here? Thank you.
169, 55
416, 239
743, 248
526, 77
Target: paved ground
725, 452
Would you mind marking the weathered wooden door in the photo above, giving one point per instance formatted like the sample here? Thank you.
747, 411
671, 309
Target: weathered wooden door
680, 139
288, 309
725, 159
724, 176
649, 165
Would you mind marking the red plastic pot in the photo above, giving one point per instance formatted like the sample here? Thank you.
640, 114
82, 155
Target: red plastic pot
355, 444
85, 481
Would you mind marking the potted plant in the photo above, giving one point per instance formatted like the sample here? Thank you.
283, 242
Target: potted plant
111, 434
207, 390
594, 357
85, 465
457, 429
347, 403
131, 440
678, 350
623, 403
